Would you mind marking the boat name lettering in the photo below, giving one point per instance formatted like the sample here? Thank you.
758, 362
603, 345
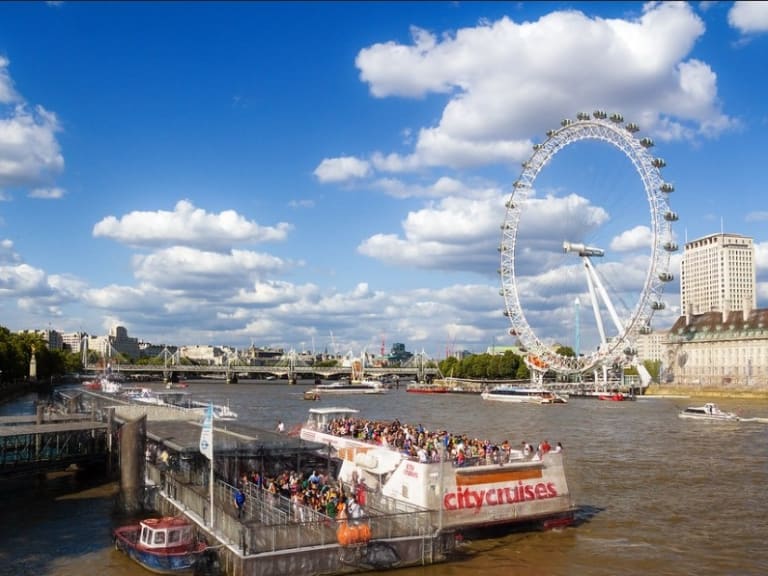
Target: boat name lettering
410, 470
469, 498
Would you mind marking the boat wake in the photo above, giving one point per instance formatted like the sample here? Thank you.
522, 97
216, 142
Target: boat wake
762, 420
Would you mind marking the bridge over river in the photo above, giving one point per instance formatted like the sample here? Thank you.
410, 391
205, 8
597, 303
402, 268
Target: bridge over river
290, 372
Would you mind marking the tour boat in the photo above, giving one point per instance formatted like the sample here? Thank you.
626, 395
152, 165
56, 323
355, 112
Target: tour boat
521, 395
709, 411
166, 545
350, 387
467, 493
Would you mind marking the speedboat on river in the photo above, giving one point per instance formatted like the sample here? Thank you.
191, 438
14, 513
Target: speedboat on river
503, 487
709, 411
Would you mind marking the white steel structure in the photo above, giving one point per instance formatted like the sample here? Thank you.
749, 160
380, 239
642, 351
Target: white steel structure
618, 342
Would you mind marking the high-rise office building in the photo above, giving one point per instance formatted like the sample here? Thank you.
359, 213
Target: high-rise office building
717, 274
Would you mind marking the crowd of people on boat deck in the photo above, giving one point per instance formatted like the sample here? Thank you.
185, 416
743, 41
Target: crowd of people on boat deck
421, 445
310, 492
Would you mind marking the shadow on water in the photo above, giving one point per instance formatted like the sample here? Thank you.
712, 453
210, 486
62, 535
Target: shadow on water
585, 513
62, 517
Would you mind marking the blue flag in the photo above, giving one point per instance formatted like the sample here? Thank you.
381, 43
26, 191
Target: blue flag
206, 436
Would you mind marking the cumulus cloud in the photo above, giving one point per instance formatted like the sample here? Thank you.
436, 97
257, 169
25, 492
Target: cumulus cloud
47, 193
187, 226
341, 169
23, 280
29, 151
749, 17
7, 91
639, 66
190, 269
639, 238
7, 253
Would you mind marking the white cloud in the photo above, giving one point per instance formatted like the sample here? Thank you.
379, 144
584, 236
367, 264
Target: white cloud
757, 216
23, 280
637, 66
187, 226
7, 254
47, 193
639, 238
749, 17
191, 270
341, 169
7, 92
29, 151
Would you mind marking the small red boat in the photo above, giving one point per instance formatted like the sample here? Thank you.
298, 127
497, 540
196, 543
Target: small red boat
166, 545
615, 397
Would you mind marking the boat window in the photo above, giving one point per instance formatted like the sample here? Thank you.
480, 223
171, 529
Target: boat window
159, 537
174, 536
145, 537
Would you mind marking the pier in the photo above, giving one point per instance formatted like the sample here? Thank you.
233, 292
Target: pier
275, 536
32, 446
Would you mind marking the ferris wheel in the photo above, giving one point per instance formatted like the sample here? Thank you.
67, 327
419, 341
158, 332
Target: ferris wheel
616, 340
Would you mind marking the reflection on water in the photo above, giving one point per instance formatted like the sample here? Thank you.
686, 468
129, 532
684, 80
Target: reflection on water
657, 494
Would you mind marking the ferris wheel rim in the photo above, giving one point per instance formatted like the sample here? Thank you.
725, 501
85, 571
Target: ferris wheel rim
541, 357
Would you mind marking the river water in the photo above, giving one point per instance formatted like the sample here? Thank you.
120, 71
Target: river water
657, 494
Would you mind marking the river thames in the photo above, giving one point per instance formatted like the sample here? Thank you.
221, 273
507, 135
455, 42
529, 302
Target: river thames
657, 494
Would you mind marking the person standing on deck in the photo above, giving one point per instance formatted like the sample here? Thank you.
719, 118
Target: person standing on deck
239, 501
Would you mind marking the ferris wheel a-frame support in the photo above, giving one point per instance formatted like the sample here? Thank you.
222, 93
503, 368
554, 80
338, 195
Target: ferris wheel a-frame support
596, 288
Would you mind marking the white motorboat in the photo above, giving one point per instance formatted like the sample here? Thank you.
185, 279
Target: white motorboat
522, 395
709, 411
347, 387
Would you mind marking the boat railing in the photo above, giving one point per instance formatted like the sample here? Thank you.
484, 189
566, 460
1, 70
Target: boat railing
272, 523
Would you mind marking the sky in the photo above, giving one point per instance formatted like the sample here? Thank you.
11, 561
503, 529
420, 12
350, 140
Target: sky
332, 176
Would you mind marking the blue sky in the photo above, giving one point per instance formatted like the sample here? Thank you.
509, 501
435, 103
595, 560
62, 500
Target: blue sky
329, 176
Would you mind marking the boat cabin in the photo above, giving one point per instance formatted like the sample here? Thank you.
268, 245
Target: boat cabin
161, 533
320, 418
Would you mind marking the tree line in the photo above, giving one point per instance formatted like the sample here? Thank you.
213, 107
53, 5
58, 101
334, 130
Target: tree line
16, 351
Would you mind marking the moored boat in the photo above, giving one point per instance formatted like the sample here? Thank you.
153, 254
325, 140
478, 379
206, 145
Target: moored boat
166, 545
350, 387
613, 397
415, 387
522, 395
709, 411
460, 488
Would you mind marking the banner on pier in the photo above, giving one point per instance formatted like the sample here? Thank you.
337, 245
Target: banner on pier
206, 436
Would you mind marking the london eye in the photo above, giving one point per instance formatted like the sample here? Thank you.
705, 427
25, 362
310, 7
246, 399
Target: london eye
616, 329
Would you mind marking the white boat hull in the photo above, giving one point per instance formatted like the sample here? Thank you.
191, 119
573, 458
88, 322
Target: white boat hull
519, 491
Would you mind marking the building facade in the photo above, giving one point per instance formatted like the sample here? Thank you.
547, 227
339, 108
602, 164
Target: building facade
719, 350
117, 342
721, 340
717, 273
